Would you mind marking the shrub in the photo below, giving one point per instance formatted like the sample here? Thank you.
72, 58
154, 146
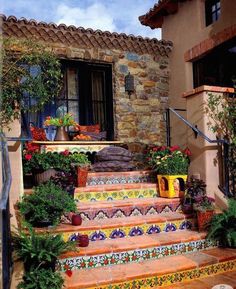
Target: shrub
48, 202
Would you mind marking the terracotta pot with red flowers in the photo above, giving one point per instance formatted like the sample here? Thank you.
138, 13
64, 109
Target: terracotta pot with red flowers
171, 165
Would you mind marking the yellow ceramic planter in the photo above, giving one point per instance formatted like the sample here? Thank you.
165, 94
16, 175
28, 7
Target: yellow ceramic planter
171, 186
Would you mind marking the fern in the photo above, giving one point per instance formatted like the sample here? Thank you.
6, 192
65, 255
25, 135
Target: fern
222, 227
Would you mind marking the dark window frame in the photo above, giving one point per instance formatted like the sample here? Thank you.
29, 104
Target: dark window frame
212, 11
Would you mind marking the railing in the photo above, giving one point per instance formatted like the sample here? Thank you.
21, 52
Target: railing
6, 257
228, 183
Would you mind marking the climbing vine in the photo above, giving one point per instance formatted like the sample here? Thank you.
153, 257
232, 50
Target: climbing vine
31, 77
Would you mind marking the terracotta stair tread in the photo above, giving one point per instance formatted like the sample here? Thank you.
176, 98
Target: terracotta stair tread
137, 242
228, 278
119, 222
127, 202
123, 273
115, 187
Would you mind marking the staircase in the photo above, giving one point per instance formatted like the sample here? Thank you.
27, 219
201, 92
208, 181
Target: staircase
138, 240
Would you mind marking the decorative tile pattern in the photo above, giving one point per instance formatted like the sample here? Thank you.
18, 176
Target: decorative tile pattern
116, 258
115, 195
125, 231
125, 179
129, 211
170, 279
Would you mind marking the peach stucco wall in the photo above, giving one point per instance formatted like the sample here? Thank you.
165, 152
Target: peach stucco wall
186, 29
204, 161
14, 148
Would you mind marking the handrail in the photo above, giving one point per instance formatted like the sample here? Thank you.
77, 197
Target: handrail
6, 173
224, 142
196, 130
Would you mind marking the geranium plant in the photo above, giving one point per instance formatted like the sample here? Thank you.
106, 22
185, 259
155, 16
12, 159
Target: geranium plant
65, 120
169, 160
34, 160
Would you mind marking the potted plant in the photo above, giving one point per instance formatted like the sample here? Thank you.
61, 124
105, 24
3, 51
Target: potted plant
82, 163
222, 227
40, 278
61, 123
66, 180
204, 206
171, 165
194, 188
39, 251
46, 205
44, 165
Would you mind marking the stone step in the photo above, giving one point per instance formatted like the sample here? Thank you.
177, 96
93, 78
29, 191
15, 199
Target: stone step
135, 249
127, 208
147, 274
110, 178
115, 192
99, 230
227, 278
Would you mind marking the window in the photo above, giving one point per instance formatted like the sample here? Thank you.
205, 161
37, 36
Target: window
212, 11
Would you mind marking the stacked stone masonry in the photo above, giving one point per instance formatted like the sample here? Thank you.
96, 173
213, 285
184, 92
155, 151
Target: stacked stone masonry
138, 117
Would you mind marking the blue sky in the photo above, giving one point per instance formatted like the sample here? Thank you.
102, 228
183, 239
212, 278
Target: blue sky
111, 15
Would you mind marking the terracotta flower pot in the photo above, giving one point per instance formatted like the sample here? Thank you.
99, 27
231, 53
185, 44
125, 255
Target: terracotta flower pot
61, 134
83, 240
76, 220
82, 176
203, 218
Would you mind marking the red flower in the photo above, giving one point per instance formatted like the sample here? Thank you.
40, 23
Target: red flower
174, 148
69, 272
28, 157
65, 153
162, 148
155, 149
187, 152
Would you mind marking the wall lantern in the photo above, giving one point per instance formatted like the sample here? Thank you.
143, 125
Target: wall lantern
129, 83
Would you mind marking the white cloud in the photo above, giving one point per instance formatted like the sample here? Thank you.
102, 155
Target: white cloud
94, 16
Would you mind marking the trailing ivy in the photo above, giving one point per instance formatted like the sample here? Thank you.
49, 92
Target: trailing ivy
30, 71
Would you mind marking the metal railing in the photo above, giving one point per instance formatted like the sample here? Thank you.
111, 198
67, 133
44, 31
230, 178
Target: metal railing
6, 252
228, 178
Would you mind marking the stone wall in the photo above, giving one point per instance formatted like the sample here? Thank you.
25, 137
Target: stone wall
138, 118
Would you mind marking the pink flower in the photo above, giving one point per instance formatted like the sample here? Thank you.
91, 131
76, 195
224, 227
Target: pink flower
28, 157
162, 148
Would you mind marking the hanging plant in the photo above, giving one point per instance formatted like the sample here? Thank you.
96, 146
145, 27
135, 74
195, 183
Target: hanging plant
31, 77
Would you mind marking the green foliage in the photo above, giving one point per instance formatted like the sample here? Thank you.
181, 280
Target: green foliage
41, 279
65, 120
169, 161
222, 227
42, 161
222, 114
39, 251
48, 202
19, 58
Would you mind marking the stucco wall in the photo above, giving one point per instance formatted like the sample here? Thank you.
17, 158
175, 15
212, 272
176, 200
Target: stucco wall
138, 118
186, 29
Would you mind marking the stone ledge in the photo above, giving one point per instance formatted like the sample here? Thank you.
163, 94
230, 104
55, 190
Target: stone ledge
209, 88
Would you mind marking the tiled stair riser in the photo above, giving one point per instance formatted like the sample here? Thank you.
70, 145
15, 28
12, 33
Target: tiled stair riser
121, 179
115, 195
138, 255
131, 231
127, 211
172, 278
